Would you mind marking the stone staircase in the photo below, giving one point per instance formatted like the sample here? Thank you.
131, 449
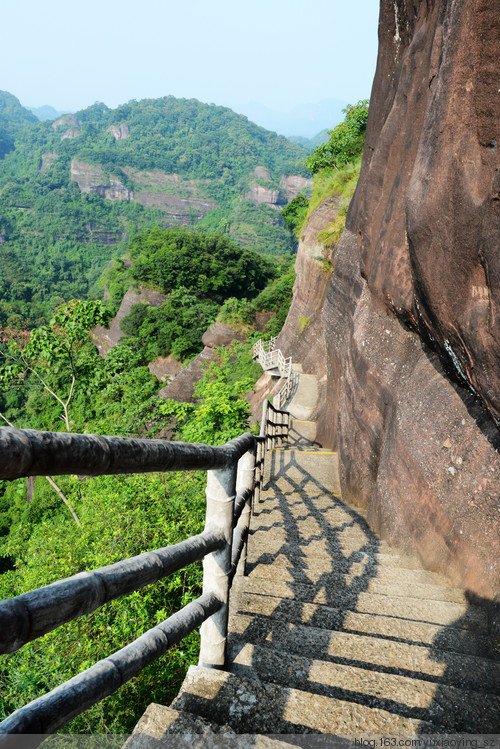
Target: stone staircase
331, 630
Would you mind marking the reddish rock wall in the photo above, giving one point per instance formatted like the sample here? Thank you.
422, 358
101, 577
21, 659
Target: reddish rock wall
403, 335
427, 209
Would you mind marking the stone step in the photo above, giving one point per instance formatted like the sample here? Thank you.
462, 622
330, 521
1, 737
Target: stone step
312, 514
304, 395
169, 728
301, 433
317, 549
253, 706
316, 499
428, 663
318, 541
264, 613
370, 566
414, 609
302, 470
299, 514
455, 710
158, 722
362, 581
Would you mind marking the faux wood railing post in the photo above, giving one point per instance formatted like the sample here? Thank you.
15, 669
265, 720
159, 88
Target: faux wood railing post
259, 471
221, 490
245, 481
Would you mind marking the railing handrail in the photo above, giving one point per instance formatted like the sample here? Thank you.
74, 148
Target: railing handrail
27, 452
270, 357
53, 710
31, 615
235, 473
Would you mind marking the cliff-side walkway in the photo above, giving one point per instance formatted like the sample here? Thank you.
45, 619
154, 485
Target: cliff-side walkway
331, 630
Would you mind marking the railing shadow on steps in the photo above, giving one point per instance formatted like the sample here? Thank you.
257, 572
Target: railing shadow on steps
234, 477
321, 607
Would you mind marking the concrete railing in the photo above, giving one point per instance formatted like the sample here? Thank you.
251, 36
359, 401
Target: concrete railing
271, 358
234, 479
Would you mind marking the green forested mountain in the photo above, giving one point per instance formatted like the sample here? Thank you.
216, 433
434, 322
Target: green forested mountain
13, 117
45, 112
55, 239
73, 190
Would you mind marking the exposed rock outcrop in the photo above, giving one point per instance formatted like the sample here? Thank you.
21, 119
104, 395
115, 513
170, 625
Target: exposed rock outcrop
427, 210
47, 160
119, 132
67, 120
260, 172
219, 334
289, 187
72, 132
106, 338
165, 368
259, 194
150, 192
403, 334
91, 178
292, 184
181, 387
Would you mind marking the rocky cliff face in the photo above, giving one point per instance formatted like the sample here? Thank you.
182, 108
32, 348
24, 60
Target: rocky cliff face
107, 338
427, 212
290, 186
119, 132
181, 386
91, 178
403, 334
151, 190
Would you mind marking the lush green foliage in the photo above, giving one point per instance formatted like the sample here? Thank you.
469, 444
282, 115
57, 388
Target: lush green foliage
257, 227
294, 214
210, 265
12, 118
53, 378
55, 240
197, 271
174, 328
346, 140
275, 298
341, 182
120, 515
220, 412
186, 137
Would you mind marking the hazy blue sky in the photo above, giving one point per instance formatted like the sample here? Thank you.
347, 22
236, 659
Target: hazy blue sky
279, 54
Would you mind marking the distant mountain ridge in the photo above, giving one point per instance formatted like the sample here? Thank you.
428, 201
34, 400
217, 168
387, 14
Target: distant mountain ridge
46, 112
13, 117
73, 189
304, 120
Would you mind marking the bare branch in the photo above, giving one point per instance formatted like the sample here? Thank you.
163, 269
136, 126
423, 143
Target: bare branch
52, 483
64, 499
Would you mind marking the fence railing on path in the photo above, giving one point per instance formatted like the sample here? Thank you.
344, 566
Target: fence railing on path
234, 477
271, 358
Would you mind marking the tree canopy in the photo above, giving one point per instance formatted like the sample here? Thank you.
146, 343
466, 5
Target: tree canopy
211, 265
346, 140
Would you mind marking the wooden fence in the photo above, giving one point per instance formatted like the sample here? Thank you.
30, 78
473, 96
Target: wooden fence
234, 480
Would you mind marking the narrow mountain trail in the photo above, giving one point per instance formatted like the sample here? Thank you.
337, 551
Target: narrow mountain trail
331, 630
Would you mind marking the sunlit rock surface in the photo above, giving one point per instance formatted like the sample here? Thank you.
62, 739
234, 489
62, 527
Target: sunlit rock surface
401, 329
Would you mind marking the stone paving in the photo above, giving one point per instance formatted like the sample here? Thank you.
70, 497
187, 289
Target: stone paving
331, 630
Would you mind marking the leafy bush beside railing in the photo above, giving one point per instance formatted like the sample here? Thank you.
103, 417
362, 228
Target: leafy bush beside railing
30, 615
